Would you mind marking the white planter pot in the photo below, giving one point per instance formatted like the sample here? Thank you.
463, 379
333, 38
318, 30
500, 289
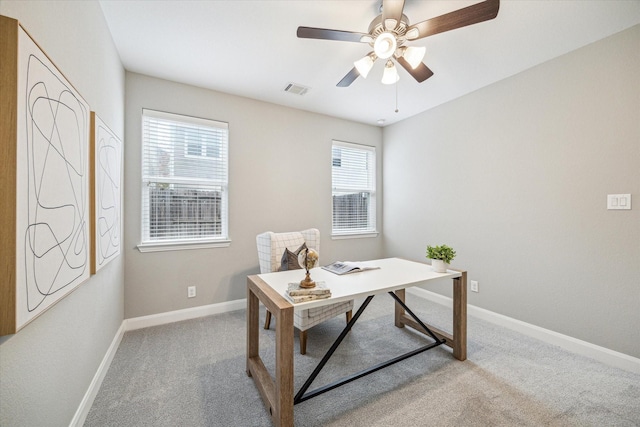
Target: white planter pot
439, 266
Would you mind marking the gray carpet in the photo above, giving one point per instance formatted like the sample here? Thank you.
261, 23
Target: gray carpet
192, 373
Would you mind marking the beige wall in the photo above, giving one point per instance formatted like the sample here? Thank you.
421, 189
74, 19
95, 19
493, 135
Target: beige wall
279, 180
46, 368
515, 177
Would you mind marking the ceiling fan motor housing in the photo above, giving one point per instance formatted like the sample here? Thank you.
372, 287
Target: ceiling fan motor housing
377, 26
383, 39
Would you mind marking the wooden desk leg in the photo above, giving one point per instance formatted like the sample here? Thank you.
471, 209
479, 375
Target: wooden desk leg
283, 411
399, 309
253, 314
460, 317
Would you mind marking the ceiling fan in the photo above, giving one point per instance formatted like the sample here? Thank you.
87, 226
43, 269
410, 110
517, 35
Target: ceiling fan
390, 31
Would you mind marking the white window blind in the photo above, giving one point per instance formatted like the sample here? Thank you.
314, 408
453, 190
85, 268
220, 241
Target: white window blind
353, 175
184, 179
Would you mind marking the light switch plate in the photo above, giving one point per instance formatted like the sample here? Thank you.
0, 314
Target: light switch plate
618, 201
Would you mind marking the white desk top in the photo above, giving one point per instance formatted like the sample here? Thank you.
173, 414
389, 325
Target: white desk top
393, 274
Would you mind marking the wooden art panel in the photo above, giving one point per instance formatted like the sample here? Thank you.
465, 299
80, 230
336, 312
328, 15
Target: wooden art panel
106, 226
45, 181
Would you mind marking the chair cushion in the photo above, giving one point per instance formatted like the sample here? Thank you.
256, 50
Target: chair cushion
289, 259
304, 319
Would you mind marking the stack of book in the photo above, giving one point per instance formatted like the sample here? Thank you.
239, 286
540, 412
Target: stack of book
297, 294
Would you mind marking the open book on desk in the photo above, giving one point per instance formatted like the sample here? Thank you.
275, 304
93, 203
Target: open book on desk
347, 267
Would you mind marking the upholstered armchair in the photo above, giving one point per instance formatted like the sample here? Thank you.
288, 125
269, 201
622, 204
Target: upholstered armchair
271, 246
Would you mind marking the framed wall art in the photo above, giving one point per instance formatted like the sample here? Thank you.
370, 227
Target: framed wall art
106, 225
44, 150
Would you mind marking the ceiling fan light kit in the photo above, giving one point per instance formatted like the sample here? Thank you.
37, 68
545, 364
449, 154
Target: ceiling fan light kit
390, 75
414, 55
365, 65
390, 30
385, 45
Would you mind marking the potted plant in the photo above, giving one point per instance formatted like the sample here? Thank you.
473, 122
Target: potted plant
441, 256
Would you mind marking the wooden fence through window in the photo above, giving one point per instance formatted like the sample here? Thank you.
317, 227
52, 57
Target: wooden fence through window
351, 211
184, 213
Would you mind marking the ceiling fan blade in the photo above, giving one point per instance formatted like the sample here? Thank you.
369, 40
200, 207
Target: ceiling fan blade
392, 10
473, 14
420, 73
349, 78
325, 34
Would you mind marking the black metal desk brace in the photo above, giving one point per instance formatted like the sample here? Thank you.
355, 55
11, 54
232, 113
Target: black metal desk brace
301, 396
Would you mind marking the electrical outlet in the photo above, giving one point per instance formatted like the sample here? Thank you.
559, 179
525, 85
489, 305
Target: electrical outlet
474, 286
191, 292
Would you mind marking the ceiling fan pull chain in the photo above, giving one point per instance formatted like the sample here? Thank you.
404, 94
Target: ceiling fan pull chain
396, 97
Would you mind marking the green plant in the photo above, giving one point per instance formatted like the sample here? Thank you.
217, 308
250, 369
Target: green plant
443, 252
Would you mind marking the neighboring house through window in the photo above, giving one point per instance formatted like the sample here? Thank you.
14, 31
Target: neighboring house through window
184, 181
353, 175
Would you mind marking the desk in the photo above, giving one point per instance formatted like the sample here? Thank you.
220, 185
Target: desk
393, 276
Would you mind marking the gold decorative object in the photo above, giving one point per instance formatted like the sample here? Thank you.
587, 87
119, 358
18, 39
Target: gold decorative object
308, 259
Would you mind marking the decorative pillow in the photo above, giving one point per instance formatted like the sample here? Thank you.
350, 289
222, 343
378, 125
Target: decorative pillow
290, 259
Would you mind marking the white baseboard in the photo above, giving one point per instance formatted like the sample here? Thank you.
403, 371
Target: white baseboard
85, 405
185, 314
601, 354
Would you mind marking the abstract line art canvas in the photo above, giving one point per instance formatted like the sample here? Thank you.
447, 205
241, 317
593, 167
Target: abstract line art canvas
106, 173
49, 127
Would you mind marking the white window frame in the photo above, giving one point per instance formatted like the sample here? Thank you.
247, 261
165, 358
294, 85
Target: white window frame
371, 229
148, 244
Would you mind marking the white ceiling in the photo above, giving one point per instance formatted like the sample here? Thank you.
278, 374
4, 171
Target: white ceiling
250, 48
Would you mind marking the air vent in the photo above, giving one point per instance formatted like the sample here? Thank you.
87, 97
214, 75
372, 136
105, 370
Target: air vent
296, 89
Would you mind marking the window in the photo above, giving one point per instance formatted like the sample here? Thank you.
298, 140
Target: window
184, 182
353, 175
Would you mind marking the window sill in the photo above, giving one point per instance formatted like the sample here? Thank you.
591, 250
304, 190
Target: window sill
181, 246
357, 235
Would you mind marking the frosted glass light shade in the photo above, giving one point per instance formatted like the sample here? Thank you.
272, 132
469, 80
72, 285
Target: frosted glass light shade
414, 55
364, 65
390, 75
385, 45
